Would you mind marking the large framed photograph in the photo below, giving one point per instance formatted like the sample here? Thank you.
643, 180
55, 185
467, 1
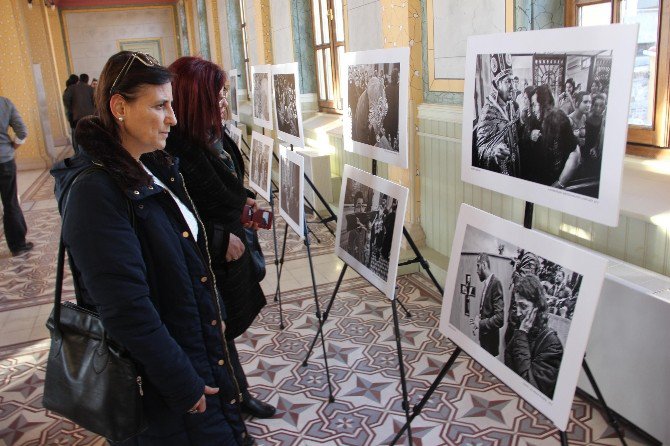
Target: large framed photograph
369, 226
546, 112
285, 83
235, 134
375, 86
262, 95
234, 112
521, 303
260, 169
291, 189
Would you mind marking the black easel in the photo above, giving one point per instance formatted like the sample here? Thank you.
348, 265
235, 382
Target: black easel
613, 422
401, 363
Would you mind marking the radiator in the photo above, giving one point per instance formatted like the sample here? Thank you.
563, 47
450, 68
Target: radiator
629, 347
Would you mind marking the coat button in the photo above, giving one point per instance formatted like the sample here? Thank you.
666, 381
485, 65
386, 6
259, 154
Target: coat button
141, 206
203, 279
151, 187
214, 322
136, 192
233, 401
172, 179
184, 234
221, 362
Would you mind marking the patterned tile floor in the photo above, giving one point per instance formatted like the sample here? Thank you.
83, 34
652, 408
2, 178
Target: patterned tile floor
471, 407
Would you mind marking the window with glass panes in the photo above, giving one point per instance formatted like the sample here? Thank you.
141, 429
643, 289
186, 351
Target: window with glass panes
328, 23
245, 46
649, 111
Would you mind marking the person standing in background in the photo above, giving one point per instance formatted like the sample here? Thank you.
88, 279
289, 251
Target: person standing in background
80, 101
14, 224
67, 102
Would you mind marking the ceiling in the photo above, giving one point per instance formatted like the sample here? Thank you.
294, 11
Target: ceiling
107, 3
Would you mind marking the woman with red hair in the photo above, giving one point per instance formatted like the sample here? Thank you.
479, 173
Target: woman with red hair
213, 171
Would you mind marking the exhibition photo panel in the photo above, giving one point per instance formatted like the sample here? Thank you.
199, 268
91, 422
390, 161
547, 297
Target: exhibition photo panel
234, 111
521, 303
545, 116
369, 226
235, 135
285, 84
260, 169
291, 189
262, 95
375, 95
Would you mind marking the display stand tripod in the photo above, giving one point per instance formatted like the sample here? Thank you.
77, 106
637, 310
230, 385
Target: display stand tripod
611, 418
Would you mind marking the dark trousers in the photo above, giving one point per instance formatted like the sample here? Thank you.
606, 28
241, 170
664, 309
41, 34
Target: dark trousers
12, 218
238, 371
73, 126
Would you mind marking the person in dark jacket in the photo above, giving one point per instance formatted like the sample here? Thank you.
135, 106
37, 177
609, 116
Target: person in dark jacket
80, 102
67, 101
213, 170
491, 317
534, 352
138, 256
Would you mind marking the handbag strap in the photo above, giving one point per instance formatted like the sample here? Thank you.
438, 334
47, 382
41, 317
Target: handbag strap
60, 263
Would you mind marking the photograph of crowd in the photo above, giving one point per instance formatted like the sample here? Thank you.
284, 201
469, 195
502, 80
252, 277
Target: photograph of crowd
369, 226
262, 95
291, 171
517, 301
287, 103
546, 112
261, 164
233, 95
375, 93
541, 117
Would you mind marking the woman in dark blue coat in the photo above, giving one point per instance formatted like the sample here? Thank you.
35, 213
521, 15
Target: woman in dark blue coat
139, 258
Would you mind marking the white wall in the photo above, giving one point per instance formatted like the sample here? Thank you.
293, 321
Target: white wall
282, 34
92, 36
364, 25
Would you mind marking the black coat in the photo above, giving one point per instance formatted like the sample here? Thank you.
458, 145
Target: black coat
492, 317
153, 287
219, 196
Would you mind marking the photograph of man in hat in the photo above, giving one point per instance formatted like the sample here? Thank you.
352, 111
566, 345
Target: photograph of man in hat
496, 139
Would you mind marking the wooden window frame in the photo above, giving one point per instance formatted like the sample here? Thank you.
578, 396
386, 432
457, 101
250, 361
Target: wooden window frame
649, 142
332, 105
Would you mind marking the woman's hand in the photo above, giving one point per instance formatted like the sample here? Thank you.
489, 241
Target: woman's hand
528, 320
201, 405
235, 248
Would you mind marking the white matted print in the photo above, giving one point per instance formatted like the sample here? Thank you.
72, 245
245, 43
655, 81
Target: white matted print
369, 226
261, 85
234, 111
235, 134
546, 112
291, 189
521, 303
375, 86
285, 84
260, 169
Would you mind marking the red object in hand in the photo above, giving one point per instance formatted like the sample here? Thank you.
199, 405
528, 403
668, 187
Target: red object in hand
262, 217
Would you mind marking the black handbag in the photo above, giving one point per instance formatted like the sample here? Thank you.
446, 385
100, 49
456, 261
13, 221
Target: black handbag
257, 257
89, 379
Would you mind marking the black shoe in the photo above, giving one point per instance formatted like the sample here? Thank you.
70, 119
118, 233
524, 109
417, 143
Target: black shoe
249, 441
23, 249
257, 408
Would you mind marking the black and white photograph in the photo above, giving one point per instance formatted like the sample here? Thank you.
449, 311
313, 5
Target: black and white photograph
375, 98
260, 169
234, 114
235, 134
286, 89
369, 226
521, 304
262, 95
291, 189
541, 108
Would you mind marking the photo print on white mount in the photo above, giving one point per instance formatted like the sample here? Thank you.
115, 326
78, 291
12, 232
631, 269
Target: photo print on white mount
285, 84
369, 227
262, 95
521, 303
260, 169
234, 113
235, 134
375, 95
291, 189
546, 112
